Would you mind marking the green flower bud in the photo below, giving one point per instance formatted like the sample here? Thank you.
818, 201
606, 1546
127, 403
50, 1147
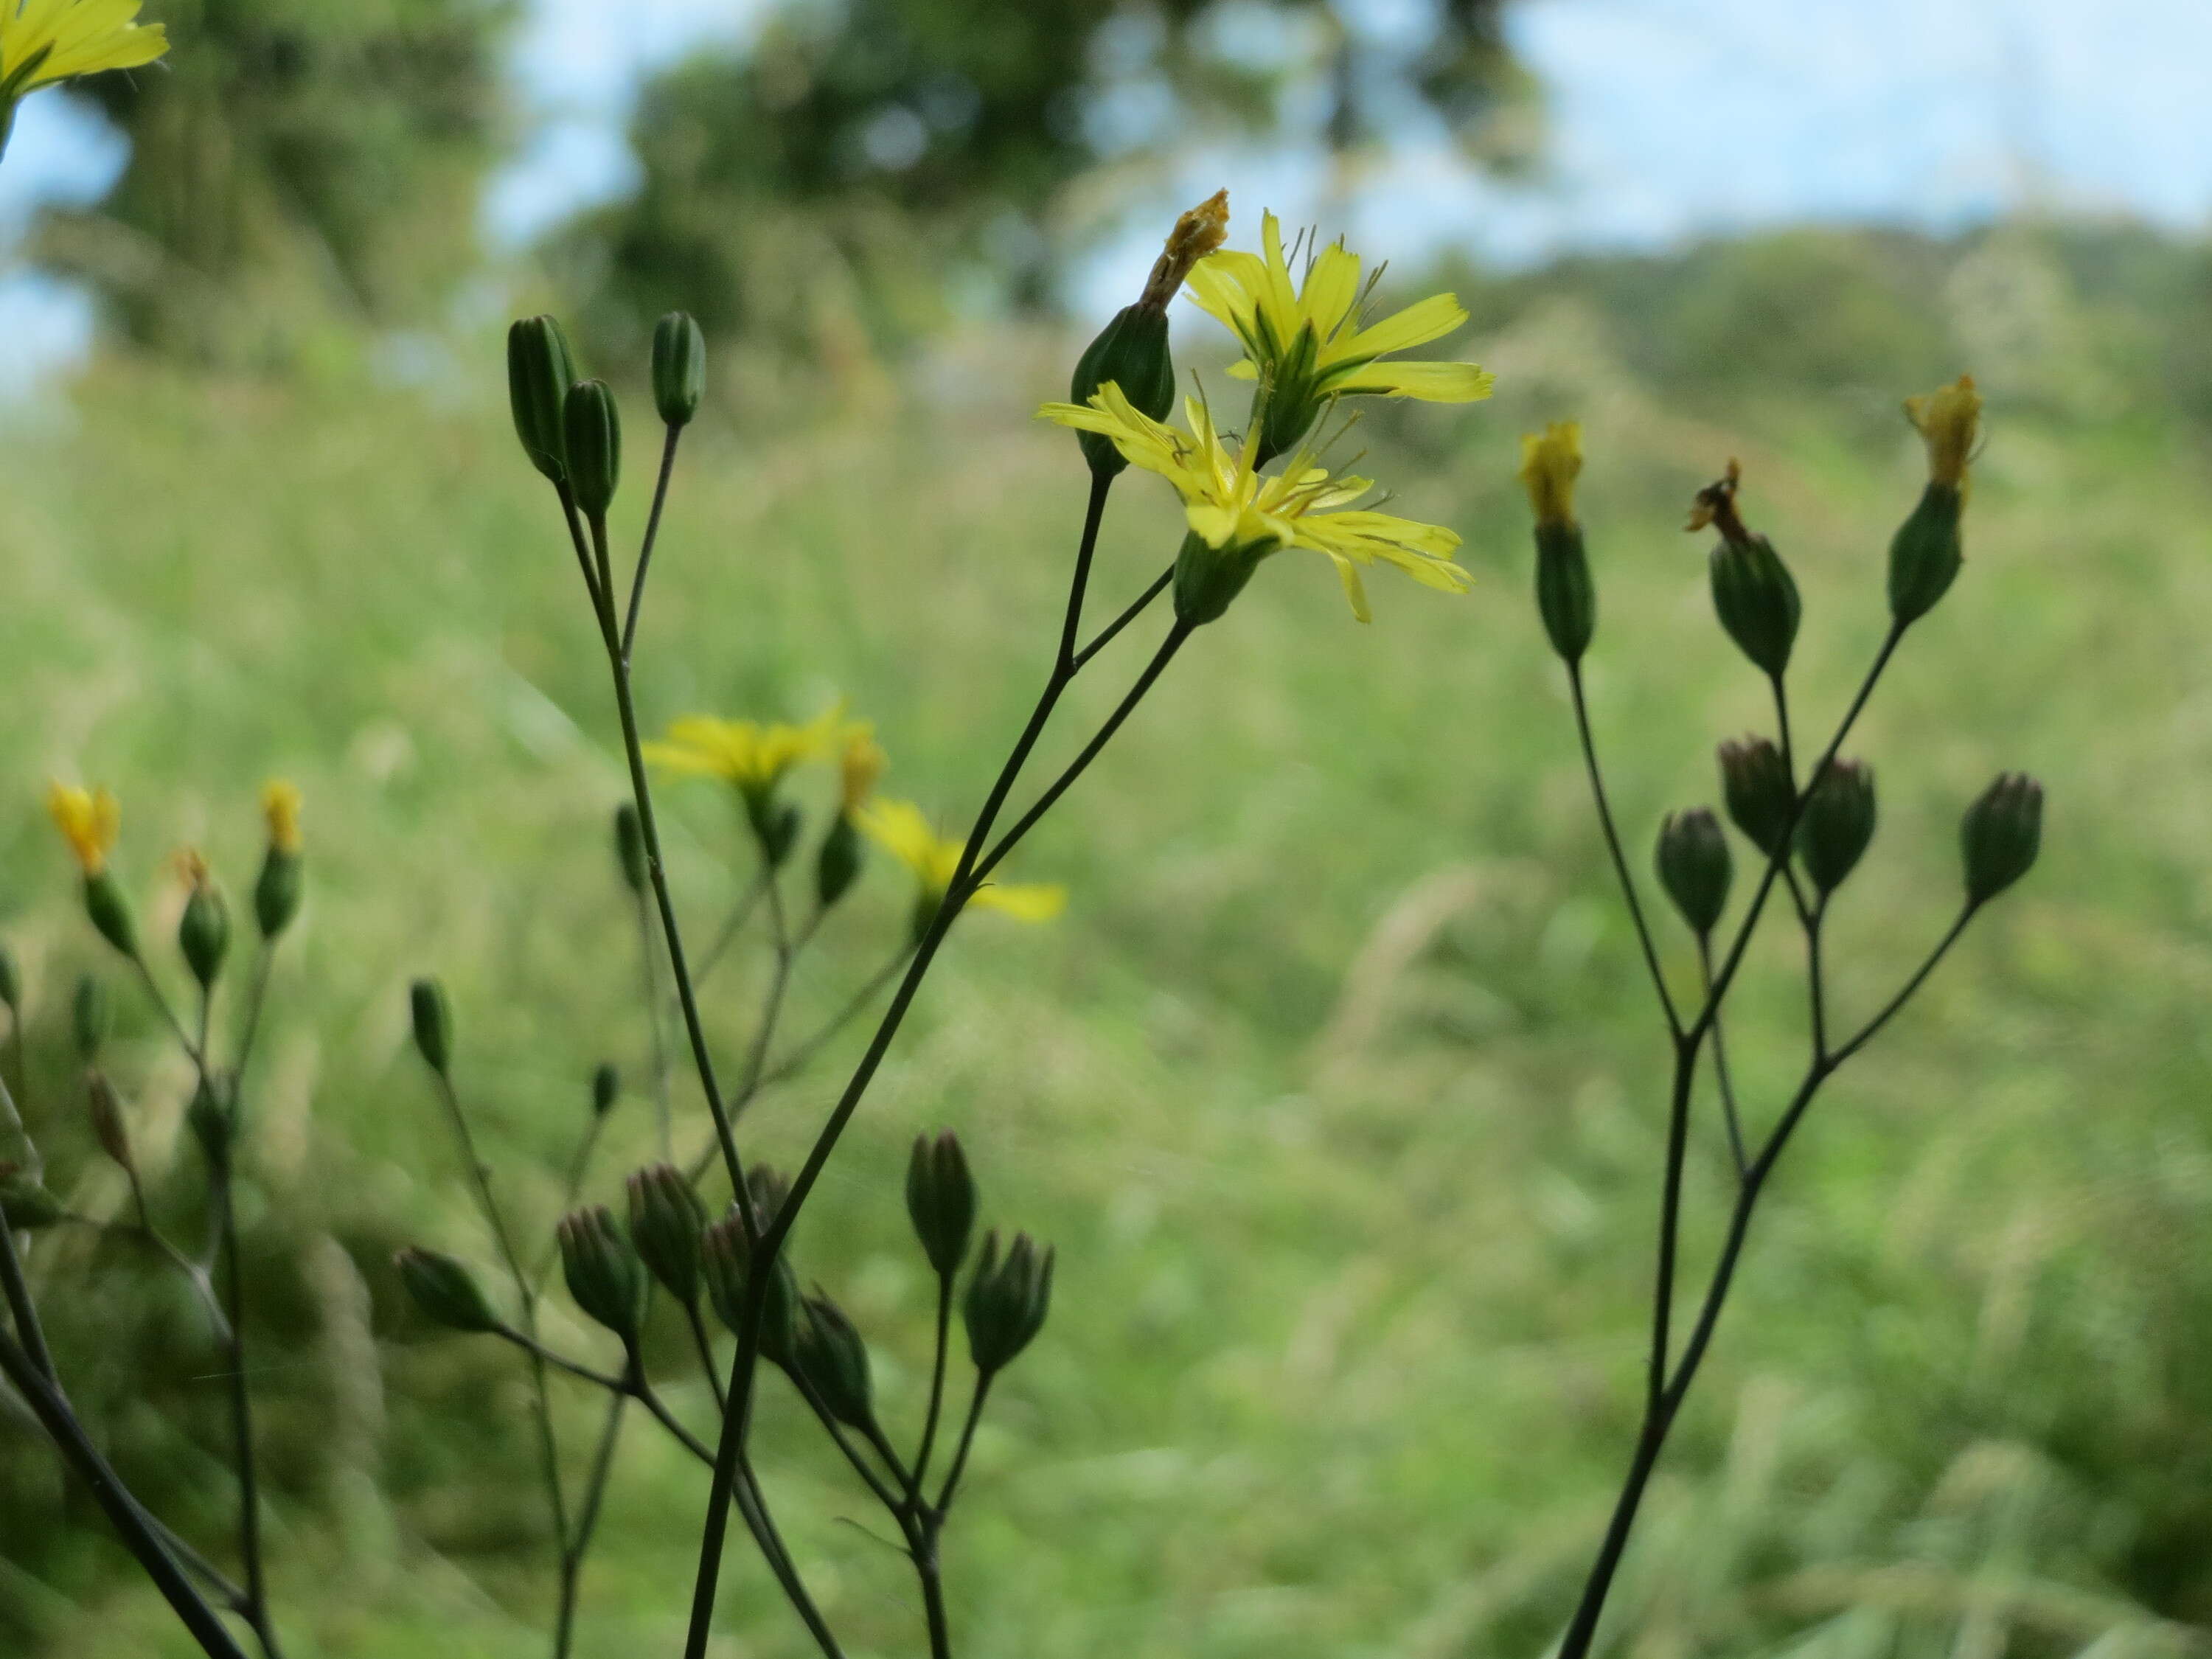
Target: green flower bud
277, 891
91, 1018
2001, 835
211, 1127
1565, 597
203, 932
434, 1024
723, 1256
1006, 1302
1761, 798
111, 913
1836, 825
26, 1205
679, 367
1132, 352
591, 426
837, 864
666, 1222
629, 847
1293, 399
1757, 600
603, 1273
1208, 579
775, 826
1694, 867
539, 371
940, 1199
445, 1292
606, 1087
830, 1355
105, 1109
11, 983
1925, 554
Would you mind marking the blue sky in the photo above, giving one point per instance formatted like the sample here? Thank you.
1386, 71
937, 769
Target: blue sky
1668, 118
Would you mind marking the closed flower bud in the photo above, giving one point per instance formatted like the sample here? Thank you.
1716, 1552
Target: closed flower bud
1836, 825
837, 863
1694, 867
940, 1200
1565, 597
1761, 798
1754, 591
105, 1110
91, 1018
539, 371
603, 1273
629, 847
445, 1292
666, 1222
679, 367
26, 1205
277, 891
775, 825
591, 427
2001, 835
434, 1025
204, 931
606, 1087
1926, 553
723, 1257
1132, 352
1006, 1302
210, 1124
11, 982
830, 1356
110, 912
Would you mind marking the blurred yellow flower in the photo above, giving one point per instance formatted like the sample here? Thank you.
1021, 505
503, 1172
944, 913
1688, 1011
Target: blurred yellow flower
1949, 419
746, 753
1309, 338
859, 768
1550, 461
280, 808
89, 820
1244, 514
42, 41
900, 829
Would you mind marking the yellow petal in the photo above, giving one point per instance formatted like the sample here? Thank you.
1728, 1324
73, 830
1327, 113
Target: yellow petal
1354, 589
1023, 904
1433, 383
1417, 325
1332, 288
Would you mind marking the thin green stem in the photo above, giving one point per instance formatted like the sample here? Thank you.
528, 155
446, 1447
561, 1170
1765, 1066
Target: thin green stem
936, 1381
706, 1346
1920, 976
575, 1547
652, 536
1728, 1112
951, 1486
1142, 603
1612, 848
734, 924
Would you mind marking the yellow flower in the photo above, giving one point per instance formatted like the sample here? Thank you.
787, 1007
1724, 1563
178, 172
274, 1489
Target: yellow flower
1307, 342
89, 820
900, 829
859, 768
752, 757
1244, 515
1550, 461
280, 807
42, 41
1949, 419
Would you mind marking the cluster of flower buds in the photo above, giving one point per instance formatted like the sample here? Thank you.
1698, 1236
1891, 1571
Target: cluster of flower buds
570, 427
445, 1291
1007, 1300
603, 1274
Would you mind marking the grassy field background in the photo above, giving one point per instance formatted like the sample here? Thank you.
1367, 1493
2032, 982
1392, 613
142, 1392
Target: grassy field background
1338, 1086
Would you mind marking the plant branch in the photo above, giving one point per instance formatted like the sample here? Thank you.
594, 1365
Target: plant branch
1612, 848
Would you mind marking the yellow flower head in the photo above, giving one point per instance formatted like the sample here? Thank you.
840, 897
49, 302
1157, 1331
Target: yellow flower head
1949, 419
1307, 341
1246, 514
1550, 462
750, 756
42, 41
280, 809
1199, 233
900, 829
859, 768
89, 820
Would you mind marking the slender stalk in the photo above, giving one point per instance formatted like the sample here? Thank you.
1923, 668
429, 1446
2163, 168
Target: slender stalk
123, 1510
936, 1381
1728, 1112
241, 1431
652, 536
1612, 848
1670, 1218
740, 914
797, 1060
34, 1165
1920, 976
649, 972
706, 1346
28, 1331
576, 1547
1142, 603
945, 1493
928, 1570
883, 1493
1816, 995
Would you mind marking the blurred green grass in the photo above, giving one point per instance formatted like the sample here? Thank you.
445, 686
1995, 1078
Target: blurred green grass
1338, 1087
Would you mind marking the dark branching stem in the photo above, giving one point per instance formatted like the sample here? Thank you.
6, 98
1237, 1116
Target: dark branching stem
1628, 891
652, 536
578, 1544
966, 876
1729, 1115
936, 1381
1137, 608
951, 1486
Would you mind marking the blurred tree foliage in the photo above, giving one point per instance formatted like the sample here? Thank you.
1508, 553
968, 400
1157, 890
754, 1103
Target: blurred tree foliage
866, 163
295, 162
